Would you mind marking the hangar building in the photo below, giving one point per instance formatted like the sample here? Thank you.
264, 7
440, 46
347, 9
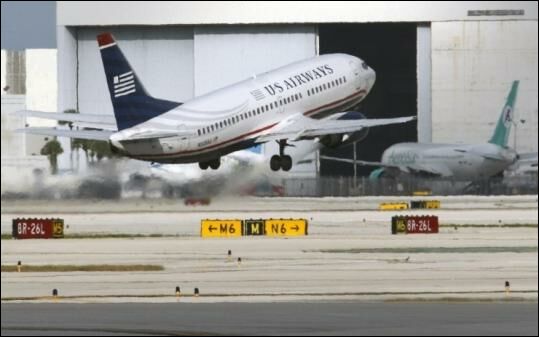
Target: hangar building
451, 63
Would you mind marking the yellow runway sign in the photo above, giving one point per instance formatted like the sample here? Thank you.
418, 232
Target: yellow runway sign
220, 228
286, 227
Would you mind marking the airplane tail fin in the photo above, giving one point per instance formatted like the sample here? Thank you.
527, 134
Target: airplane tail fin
132, 104
503, 127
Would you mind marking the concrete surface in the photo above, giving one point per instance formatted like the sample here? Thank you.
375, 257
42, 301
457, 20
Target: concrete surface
328, 318
282, 269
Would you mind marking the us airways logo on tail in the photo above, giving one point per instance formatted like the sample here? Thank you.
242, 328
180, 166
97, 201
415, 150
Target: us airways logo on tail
124, 84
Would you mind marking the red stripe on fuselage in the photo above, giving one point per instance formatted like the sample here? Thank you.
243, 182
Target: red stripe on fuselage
310, 112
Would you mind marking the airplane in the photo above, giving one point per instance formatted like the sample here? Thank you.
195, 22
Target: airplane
466, 162
241, 172
305, 100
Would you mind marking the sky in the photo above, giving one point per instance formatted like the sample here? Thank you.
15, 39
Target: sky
28, 24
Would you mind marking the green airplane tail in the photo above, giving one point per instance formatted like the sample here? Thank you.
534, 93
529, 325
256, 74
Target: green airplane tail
503, 127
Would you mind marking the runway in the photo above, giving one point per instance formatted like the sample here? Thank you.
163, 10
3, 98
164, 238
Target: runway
307, 318
348, 255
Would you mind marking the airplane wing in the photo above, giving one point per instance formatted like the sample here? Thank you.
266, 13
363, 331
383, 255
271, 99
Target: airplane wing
425, 169
83, 134
299, 127
106, 122
490, 156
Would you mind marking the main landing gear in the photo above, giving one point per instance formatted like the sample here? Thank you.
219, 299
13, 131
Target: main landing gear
281, 161
214, 164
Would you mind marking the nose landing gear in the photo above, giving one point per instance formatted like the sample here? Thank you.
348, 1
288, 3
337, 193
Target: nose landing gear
281, 161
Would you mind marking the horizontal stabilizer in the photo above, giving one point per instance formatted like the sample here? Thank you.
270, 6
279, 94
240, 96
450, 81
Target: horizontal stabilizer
82, 134
102, 120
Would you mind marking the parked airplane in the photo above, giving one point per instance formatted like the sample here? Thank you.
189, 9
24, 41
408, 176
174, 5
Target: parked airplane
301, 101
458, 161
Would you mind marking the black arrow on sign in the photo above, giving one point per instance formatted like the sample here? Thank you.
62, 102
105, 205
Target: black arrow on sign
296, 228
211, 228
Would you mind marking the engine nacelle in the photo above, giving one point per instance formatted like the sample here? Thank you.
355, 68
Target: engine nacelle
337, 140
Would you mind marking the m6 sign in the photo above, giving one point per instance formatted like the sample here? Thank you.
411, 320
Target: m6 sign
221, 228
37, 228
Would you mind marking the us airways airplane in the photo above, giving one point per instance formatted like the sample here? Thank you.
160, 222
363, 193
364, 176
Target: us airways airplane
306, 100
466, 162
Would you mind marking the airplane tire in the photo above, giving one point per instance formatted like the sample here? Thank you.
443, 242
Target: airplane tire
286, 163
275, 163
203, 165
214, 164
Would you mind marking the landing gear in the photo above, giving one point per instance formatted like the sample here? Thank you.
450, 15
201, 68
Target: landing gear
214, 164
281, 161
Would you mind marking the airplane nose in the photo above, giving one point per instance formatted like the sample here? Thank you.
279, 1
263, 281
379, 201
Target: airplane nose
371, 78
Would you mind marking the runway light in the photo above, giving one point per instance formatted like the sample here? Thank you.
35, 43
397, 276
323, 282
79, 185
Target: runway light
178, 293
239, 261
55, 293
19, 266
507, 288
196, 292
229, 255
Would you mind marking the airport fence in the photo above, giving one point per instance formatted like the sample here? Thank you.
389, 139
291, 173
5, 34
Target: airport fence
348, 186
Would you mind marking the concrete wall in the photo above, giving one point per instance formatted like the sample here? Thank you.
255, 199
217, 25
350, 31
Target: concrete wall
41, 79
473, 65
257, 12
13, 144
41, 93
3, 71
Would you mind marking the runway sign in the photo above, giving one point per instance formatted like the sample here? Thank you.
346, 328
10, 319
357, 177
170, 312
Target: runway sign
37, 228
221, 228
253, 227
414, 224
286, 227
422, 193
387, 206
430, 204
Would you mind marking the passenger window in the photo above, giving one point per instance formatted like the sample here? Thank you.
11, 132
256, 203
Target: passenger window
271, 105
344, 79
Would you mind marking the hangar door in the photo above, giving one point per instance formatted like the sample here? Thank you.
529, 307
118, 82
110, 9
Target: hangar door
161, 56
390, 49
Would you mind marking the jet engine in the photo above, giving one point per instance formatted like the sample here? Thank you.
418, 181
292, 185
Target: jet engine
337, 140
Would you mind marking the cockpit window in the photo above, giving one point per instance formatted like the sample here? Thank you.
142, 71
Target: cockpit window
364, 65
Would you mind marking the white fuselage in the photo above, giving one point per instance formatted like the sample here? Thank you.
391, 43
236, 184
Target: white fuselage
457, 161
230, 119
